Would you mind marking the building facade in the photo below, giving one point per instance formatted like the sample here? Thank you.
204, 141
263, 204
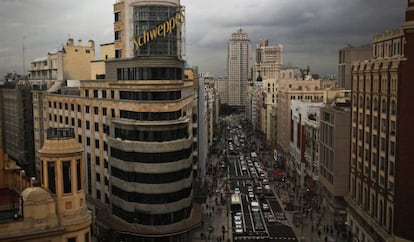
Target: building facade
302, 113
348, 55
72, 62
137, 128
381, 152
17, 123
239, 59
56, 211
307, 91
334, 153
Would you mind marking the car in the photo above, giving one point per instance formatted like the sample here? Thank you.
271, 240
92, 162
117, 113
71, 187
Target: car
236, 190
265, 206
250, 189
237, 220
267, 187
265, 181
238, 229
259, 189
270, 218
251, 195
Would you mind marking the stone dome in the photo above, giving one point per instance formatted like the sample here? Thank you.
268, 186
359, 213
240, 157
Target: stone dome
36, 195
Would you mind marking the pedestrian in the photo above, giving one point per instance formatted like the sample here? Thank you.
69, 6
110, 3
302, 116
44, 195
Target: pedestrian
319, 233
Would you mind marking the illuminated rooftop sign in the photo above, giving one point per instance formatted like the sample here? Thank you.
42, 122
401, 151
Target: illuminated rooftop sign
160, 31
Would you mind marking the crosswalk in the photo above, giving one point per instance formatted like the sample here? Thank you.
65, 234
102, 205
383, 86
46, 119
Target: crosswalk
265, 238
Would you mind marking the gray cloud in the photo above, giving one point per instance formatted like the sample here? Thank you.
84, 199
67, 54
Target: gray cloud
311, 31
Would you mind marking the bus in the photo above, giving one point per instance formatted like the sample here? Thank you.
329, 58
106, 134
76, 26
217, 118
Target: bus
236, 203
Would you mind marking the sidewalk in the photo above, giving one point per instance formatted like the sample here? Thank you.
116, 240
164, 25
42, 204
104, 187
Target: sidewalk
316, 226
215, 215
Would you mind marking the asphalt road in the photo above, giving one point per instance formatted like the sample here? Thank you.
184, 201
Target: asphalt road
243, 174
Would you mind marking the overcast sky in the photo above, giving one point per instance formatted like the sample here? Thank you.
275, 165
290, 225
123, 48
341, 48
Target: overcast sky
311, 31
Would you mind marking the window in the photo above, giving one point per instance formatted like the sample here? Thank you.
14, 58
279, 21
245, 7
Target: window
383, 106
392, 148
382, 164
51, 176
95, 110
87, 125
103, 93
375, 104
72, 239
118, 35
97, 161
391, 168
392, 128
86, 109
113, 94
95, 93
88, 141
96, 127
383, 144
97, 144
78, 175
86, 237
86, 93
393, 108
368, 103
67, 181
104, 111
118, 54
117, 16
98, 177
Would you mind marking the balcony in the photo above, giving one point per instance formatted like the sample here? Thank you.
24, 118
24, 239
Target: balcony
11, 205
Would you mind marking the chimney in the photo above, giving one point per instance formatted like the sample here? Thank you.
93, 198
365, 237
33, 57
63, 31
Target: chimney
80, 42
91, 43
69, 42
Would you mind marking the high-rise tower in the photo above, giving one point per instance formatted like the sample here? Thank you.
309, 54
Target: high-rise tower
238, 68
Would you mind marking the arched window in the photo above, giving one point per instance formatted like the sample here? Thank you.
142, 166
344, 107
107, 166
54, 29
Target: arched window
393, 107
361, 102
368, 103
355, 101
383, 106
375, 103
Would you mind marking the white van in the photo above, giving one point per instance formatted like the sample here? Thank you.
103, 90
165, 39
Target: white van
255, 206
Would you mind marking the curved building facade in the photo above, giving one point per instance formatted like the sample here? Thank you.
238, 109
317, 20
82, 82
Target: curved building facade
136, 128
150, 138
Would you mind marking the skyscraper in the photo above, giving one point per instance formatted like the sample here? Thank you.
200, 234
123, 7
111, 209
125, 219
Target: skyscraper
238, 68
380, 183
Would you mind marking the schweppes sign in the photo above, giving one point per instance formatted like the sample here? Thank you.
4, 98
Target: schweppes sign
160, 31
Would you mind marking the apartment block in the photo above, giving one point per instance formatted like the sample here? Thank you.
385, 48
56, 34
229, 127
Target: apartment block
380, 192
